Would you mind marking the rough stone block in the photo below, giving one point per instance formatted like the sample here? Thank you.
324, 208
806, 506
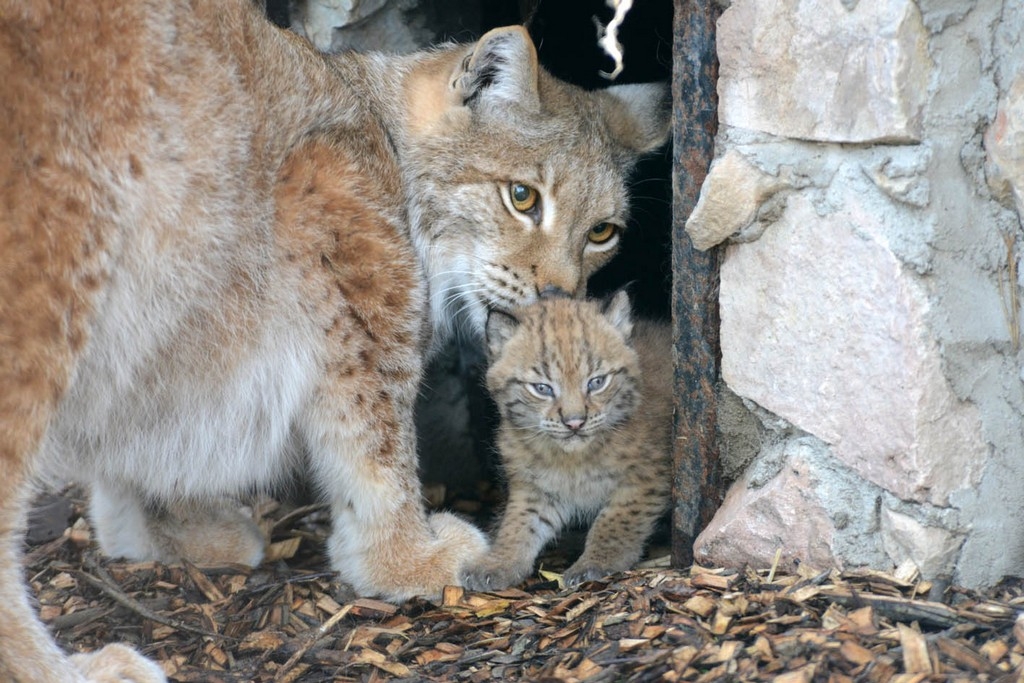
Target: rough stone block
763, 512
733, 191
933, 549
795, 498
832, 71
823, 326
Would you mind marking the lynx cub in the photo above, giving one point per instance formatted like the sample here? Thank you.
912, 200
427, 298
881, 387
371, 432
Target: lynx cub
223, 256
585, 399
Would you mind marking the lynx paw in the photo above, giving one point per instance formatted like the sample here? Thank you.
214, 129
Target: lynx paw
460, 542
118, 664
408, 564
212, 536
492, 575
582, 572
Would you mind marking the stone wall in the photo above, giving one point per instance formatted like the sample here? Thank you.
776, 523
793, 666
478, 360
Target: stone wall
868, 185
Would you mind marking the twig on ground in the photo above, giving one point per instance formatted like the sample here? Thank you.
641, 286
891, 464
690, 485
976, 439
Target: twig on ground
103, 581
311, 639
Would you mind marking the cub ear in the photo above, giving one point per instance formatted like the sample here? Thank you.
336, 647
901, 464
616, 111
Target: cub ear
502, 66
638, 114
499, 329
619, 312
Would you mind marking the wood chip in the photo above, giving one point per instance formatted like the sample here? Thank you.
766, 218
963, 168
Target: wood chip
915, 651
701, 605
367, 607
714, 581
204, 585
452, 596
965, 657
579, 609
282, 550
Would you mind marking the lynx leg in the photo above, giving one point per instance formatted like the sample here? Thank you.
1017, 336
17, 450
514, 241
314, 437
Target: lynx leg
29, 655
117, 664
365, 290
529, 521
204, 532
119, 521
42, 329
616, 539
383, 542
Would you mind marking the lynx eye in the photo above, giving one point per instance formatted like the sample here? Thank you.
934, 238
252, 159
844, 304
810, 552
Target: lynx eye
524, 198
601, 233
596, 384
542, 390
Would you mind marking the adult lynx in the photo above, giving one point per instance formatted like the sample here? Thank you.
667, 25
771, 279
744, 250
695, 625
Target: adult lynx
223, 255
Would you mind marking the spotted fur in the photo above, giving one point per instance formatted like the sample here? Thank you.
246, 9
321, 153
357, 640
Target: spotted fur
584, 394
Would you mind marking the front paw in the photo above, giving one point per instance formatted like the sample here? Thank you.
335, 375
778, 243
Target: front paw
118, 664
492, 575
406, 560
581, 572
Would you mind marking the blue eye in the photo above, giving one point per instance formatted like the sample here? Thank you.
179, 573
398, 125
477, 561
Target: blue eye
542, 389
597, 383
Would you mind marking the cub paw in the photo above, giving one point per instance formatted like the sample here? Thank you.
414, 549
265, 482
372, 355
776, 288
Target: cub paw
118, 664
581, 573
488, 576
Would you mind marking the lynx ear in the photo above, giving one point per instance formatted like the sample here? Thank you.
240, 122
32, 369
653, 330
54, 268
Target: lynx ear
638, 114
503, 67
619, 312
499, 329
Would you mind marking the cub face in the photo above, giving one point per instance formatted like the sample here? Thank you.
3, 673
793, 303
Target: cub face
563, 372
519, 180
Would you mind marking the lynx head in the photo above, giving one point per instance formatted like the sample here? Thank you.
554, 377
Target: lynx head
562, 370
517, 180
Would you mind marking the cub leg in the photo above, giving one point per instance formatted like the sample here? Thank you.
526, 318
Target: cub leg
616, 539
529, 521
204, 532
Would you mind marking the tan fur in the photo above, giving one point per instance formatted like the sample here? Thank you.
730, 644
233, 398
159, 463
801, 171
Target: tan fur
223, 255
598, 454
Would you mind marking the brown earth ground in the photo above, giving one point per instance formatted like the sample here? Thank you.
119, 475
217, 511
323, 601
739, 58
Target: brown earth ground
290, 621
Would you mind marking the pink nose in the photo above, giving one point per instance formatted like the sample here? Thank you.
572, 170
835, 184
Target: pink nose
574, 422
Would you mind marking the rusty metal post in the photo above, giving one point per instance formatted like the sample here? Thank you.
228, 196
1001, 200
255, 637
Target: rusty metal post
696, 490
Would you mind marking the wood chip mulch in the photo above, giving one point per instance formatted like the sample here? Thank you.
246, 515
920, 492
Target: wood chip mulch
290, 621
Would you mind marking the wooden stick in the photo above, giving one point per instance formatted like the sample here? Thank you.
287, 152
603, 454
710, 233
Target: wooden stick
311, 639
103, 581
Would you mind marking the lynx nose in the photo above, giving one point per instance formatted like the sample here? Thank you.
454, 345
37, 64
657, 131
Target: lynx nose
574, 422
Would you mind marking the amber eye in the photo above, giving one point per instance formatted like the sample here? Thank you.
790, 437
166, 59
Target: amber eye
523, 197
599, 234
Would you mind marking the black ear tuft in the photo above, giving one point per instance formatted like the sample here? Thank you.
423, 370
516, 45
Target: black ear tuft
502, 67
498, 330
